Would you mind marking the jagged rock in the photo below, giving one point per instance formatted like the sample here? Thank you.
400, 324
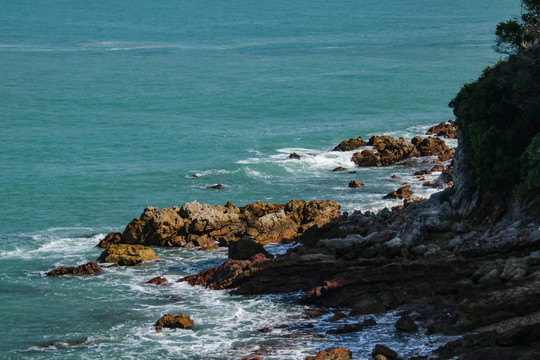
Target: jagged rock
447, 130
438, 168
337, 353
245, 248
406, 324
446, 155
356, 184
178, 321
428, 183
295, 156
401, 193
389, 151
422, 172
340, 168
111, 238
196, 224
91, 268
514, 269
431, 146
385, 351
158, 280
127, 255
351, 144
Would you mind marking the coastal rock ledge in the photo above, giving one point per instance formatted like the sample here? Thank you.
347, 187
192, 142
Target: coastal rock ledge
196, 224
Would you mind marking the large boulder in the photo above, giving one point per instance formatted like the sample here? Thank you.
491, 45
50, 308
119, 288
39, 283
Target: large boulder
245, 248
196, 224
404, 192
431, 146
351, 144
447, 130
91, 268
127, 254
337, 353
178, 321
389, 151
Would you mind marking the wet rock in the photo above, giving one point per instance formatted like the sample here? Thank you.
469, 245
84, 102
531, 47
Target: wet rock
385, 351
340, 168
91, 268
217, 187
389, 151
428, 183
111, 238
412, 200
431, 146
446, 155
394, 176
514, 269
314, 314
337, 353
264, 330
346, 329
127, 255
438, 168
245, 248
406, 324
295, 156
209, 248
178, 321
356, 184
445, 129
338, 315
351, 144
422, 172
401, 193
158, 280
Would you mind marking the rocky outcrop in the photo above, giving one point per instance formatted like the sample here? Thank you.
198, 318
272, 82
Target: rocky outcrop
444, 129
389, 151
127, 255
404, 192
337, 353
158, 280
178, 321
91, 268
351, 144
356, 184
196, 224
431, 146
294, 156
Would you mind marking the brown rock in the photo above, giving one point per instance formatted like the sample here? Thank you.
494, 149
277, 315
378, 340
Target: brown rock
394, 176
389, 151
356, 184
158, 280
338, 315
264, 330
340, 168
437, 168
295, 156
127, 255
174, 321
401, 193
448, 130
422, 172
431, 146
217, 186
351, 144
111, 238
209, 248
337, 353
91, 268
428, 183
446, 155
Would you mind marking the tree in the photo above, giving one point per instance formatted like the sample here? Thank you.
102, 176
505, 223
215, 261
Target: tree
520, 35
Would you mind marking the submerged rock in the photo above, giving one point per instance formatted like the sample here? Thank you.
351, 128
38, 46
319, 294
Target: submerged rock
356, 184
91, 268
217, 187
127, 255
295, 156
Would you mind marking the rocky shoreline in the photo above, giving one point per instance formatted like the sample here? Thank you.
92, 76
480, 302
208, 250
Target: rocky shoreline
453, 264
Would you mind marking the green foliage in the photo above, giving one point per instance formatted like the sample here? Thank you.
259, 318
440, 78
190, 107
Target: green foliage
519, 35
499, 115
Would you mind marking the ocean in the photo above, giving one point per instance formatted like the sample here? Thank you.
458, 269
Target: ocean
109, 107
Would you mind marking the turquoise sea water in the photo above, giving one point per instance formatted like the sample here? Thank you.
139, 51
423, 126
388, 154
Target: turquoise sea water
108, 107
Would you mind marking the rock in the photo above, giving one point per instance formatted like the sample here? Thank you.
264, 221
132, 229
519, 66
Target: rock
91, 268
438, 168
514, 269
406, 324
158, 280
422, 172
217, 186
346, 329
447, 130
385, 351
196, 224
337, 353
431, 146
446, 155
178, 321
340, 168
111, 238
356, 184
209, 248
127, 255
245, 248
394, 176
338, 315
389, 151
295, 156
264, 330
401, 193
428, 183
351, 144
